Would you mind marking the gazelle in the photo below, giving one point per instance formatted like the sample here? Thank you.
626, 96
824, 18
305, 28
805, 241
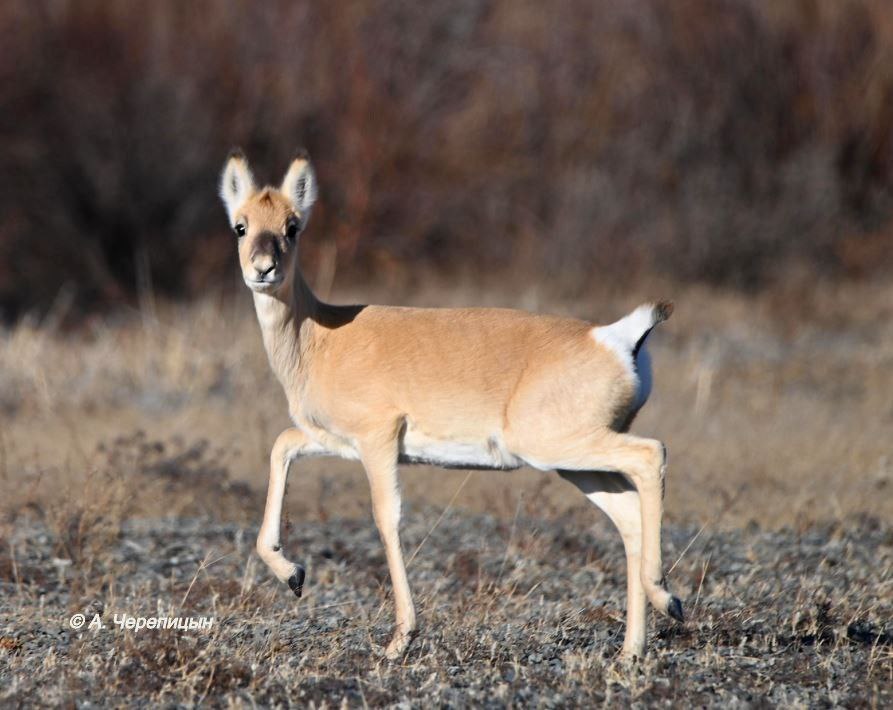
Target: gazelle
469, 388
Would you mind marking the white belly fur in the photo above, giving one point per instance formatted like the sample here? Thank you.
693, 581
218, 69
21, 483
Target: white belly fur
489, 453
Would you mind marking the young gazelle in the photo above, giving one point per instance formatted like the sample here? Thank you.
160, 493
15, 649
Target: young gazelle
469, 388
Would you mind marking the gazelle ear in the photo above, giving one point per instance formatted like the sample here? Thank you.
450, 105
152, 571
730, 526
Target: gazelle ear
236, 183
299, 185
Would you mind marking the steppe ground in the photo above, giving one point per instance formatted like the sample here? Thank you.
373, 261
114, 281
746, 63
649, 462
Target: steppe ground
133, 461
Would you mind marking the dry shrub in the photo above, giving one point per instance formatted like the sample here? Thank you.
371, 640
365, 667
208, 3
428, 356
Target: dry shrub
85, 509
704, 139
88, 520
177, 478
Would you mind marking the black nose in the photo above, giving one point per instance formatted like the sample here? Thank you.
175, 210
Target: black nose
266, 271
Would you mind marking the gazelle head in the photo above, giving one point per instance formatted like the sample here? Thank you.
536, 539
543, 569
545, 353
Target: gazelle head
267, 220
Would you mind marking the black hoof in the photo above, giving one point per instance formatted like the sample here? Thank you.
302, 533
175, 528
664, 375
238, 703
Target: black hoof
296, 582
674, 609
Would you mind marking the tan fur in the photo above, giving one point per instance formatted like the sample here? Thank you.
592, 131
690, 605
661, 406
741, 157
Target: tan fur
506, 387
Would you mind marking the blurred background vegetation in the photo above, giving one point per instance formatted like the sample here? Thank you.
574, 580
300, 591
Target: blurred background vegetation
737, 143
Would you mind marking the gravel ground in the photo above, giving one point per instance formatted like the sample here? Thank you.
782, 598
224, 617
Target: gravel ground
526, 613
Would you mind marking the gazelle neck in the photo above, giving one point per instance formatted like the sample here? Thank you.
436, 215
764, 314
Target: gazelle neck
282, 317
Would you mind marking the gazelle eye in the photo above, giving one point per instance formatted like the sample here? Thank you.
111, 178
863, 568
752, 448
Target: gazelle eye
240, 230
291, 231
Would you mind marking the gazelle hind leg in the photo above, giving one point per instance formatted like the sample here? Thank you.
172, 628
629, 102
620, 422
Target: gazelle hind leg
644, 462
651, 486
618, 499
290, 444
380, 461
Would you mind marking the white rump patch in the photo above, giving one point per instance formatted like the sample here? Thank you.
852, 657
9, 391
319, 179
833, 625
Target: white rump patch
621, 338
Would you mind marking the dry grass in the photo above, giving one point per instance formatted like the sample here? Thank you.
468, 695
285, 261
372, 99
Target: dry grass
775, 411
133, 461
527, 612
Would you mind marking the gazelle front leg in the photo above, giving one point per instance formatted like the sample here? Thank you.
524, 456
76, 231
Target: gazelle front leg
290, 444
380, 460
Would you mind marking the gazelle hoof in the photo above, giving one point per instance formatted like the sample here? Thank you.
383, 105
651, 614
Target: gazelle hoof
631, 658
398, 645
674, 609
296, 581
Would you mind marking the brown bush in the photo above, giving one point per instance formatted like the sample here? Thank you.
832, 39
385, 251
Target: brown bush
717, 140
